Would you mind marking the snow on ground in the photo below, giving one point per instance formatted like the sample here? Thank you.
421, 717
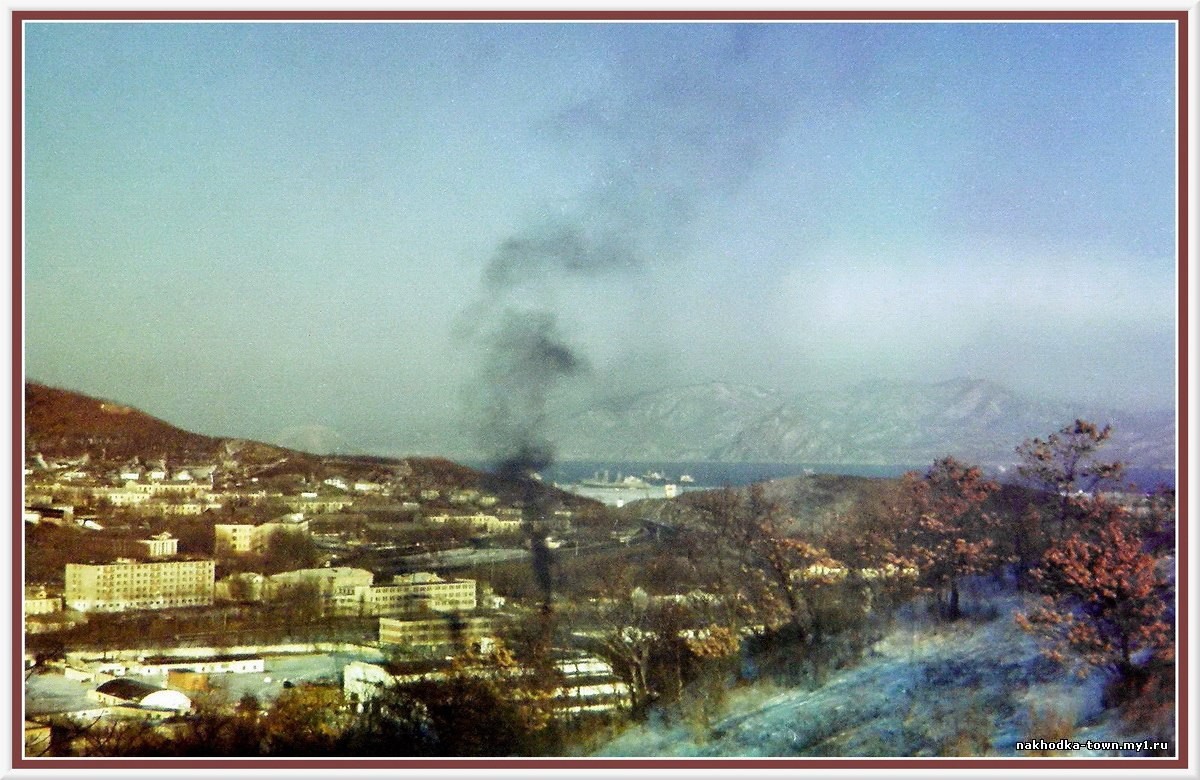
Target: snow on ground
282, 670
51, 692
965, 688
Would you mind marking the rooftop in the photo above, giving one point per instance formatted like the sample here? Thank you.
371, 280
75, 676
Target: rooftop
128, 688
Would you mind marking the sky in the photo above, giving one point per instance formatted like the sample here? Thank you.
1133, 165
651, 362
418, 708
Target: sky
256, 230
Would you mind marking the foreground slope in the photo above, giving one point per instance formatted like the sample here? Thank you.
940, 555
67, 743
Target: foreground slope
969, 688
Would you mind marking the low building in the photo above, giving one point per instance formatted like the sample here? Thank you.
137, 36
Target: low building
161, 666
48, 511
160, 545
154, 701
38, 601
362, 681
588, 684
130, 473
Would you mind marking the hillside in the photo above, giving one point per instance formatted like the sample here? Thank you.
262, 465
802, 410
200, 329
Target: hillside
970, 688
60, 422
875, 423
64, 424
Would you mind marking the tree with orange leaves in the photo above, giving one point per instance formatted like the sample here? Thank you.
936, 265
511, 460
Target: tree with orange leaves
1105, 597
769, 571
948, 534
1066, 465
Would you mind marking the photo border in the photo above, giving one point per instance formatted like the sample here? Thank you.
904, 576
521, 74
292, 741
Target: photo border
1182, 21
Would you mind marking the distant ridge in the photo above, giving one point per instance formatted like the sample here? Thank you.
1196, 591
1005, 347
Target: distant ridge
872, 423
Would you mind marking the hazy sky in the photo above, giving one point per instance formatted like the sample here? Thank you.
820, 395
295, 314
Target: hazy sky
244, 228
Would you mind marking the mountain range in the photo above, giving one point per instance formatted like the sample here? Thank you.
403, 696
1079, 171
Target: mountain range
874, 423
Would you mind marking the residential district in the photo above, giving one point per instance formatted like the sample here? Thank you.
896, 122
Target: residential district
152, 585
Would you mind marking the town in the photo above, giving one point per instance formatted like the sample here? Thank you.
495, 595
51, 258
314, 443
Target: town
154, 584
233, 598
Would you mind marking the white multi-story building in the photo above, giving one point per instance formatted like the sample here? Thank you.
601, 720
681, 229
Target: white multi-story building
340, 588
421, 591
242, 538
127, 584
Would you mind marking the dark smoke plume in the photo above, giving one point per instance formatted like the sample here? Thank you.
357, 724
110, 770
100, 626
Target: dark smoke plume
683, 124
525, 359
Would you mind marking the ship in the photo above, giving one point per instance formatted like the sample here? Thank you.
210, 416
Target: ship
620, 483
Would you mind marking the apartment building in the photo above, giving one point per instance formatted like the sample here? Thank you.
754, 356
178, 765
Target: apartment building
436, 633
480, 522
421, 591
243, 538
127, 584
340, 588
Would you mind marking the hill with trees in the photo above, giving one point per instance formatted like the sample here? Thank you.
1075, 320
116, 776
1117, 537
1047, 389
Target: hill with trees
65, 424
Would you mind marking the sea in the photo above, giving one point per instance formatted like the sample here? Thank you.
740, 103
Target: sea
707, 474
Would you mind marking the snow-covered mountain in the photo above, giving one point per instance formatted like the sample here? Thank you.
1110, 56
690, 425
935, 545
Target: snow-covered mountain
877, 422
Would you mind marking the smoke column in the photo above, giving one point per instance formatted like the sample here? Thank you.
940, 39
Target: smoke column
526, 360
684, 121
